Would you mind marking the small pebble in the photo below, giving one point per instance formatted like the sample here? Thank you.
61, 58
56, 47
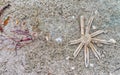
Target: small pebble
103, 55
96, 12
99, 45
58, 40
112, 41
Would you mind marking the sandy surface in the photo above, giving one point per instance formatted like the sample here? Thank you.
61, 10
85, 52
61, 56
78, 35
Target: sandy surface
50, 53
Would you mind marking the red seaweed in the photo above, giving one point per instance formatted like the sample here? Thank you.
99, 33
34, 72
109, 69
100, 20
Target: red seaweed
16, 41
21, 32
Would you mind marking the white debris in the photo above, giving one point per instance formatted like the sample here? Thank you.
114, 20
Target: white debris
47, 38
58, 40
91, 65
73, 17
112, 40
67, 58
102, 55
94, 27
96, 12
72, 67
110, 73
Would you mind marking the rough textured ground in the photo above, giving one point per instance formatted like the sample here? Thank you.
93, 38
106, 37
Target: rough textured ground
50, 53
